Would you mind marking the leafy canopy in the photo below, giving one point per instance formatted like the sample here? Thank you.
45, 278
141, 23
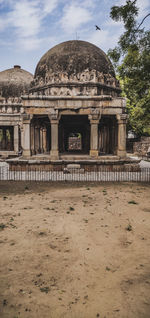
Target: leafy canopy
131, 58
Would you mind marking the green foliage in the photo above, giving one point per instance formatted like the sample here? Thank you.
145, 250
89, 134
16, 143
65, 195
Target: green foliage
134, 52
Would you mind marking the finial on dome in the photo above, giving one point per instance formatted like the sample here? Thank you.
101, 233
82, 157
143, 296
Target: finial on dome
17, 66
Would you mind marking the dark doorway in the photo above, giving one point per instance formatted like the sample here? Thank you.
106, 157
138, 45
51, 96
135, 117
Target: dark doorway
74, 134
108, 135
40, 135
7, 138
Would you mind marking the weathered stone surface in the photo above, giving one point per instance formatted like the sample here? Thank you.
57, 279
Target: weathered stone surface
71, 63
14, 82
141, 147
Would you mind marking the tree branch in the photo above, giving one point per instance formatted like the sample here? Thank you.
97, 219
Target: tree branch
142, 21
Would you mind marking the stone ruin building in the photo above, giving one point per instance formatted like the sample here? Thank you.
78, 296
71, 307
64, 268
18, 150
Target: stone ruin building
71, 108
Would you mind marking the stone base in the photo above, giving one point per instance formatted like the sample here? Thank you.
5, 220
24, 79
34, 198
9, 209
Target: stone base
94, 153
26, 153
121, 153
126, 164
54, 154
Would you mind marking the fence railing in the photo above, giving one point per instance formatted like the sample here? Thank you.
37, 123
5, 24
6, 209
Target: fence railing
96, 174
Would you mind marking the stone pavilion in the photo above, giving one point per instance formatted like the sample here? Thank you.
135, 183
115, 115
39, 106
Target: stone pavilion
71, 108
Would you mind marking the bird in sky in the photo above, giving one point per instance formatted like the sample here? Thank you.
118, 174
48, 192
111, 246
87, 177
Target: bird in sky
97, 27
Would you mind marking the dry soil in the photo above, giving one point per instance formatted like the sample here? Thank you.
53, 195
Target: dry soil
74, 250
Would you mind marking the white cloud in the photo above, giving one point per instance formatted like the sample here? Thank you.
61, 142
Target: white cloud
25, 18
49, 6
88, 3
33, 43
74, 16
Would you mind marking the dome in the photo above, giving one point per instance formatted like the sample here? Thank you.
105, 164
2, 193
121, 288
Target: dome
14, 82
72, 58
75, 68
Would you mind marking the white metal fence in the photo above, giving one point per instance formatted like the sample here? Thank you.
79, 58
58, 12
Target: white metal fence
96, 174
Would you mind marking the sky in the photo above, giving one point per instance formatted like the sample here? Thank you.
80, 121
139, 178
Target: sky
29, 28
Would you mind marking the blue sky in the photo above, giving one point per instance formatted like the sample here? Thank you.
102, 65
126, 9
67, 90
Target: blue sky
28, 28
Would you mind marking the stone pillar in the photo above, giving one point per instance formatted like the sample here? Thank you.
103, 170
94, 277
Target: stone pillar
26, 136
54, 138
16, 138
94, 137
32, 140
121, 152
44, 140
41, 139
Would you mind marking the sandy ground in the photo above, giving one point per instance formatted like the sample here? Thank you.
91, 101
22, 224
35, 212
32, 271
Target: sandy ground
74, 250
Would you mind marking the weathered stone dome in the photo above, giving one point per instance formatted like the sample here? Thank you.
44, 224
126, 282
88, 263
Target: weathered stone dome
74, 57
74, 68
14, 82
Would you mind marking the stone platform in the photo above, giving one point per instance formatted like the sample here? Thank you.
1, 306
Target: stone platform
111, 163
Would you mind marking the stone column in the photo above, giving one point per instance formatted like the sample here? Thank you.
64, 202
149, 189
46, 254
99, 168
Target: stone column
16, 138
121, 152
32, 146
94, 137
54, 138
26, 136
44, 140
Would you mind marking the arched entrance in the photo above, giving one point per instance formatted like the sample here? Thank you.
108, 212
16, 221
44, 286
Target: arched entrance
40, 135
108, 135
74, 134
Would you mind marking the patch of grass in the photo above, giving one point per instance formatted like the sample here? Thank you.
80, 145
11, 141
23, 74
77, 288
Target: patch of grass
2, 226
85, 220
132, 202
71, 208
28, 208
13, 226
45, 289
129, 227
42, 233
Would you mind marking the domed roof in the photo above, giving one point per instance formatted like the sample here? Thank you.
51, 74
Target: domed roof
14, 82
73, 57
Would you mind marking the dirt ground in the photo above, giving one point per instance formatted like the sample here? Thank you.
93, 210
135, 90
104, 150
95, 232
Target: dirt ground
74, 250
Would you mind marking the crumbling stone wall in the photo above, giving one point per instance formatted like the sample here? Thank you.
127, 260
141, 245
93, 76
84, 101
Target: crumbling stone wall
141, 147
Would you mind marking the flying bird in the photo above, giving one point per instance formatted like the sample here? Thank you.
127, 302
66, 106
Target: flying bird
97, 27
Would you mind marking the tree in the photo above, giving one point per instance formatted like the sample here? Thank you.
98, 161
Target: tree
131, 58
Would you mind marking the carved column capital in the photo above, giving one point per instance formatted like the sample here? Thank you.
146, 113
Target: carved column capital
94, 116
122, 118
26, 118
54, 116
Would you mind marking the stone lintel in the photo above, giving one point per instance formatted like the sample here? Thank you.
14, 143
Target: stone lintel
54, 98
